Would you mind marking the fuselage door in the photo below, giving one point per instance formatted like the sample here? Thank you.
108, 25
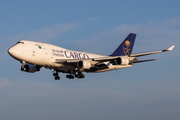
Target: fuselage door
33, 52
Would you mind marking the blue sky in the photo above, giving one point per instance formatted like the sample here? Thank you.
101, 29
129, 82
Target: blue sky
145, 91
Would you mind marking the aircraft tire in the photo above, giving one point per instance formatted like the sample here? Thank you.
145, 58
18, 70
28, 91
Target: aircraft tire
54, 74
67, 76
57, 78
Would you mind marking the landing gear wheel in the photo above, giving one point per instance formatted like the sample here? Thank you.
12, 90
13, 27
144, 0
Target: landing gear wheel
57, 78
76, 75
81, 76
70, 76
67, 76
55, 74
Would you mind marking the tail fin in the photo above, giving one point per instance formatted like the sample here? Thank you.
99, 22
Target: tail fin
125, 48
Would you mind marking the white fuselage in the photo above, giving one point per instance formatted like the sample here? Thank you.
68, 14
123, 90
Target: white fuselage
43, 54
34, 55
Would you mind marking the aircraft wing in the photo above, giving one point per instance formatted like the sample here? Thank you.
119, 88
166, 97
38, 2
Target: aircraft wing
91, 60
139, 61
149, 53
64, 61
111, 59
97, 63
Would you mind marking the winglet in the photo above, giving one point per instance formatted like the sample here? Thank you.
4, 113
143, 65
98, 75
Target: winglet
171, 48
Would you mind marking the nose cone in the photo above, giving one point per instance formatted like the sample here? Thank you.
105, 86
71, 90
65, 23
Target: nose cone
13, 51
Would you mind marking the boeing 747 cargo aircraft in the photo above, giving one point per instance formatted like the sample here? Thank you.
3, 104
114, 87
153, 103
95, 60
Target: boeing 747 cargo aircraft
35, 55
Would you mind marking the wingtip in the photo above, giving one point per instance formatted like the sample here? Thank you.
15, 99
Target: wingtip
171, 48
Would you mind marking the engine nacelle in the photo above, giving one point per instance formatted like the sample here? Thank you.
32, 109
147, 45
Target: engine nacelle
30, 68
122, 61
84, 64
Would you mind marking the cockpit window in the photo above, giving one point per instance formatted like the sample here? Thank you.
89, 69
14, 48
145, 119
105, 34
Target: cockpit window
20, 42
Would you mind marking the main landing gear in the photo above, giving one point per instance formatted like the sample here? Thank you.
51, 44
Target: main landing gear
70, 76
80, 75
56, 76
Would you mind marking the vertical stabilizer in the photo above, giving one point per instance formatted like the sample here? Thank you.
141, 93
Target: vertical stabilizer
125, 48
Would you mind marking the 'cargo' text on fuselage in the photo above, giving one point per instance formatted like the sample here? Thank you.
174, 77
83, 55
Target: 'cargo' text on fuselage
69, 54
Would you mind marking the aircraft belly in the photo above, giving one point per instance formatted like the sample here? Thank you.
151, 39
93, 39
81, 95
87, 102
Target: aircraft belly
66, 68
113, 67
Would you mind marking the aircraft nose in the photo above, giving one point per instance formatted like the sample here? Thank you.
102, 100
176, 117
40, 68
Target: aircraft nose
12, 51
15, 52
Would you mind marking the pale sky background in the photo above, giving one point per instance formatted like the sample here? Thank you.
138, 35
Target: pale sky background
146, 91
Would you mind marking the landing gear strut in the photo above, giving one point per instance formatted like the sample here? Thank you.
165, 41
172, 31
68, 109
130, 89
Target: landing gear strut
23, 68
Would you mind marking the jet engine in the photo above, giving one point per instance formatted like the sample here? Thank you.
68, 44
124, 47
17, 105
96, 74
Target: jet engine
84, 64
121, 61
29, 68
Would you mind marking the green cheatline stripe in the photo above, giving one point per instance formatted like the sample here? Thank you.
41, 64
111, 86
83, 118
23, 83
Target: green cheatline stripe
40, 47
